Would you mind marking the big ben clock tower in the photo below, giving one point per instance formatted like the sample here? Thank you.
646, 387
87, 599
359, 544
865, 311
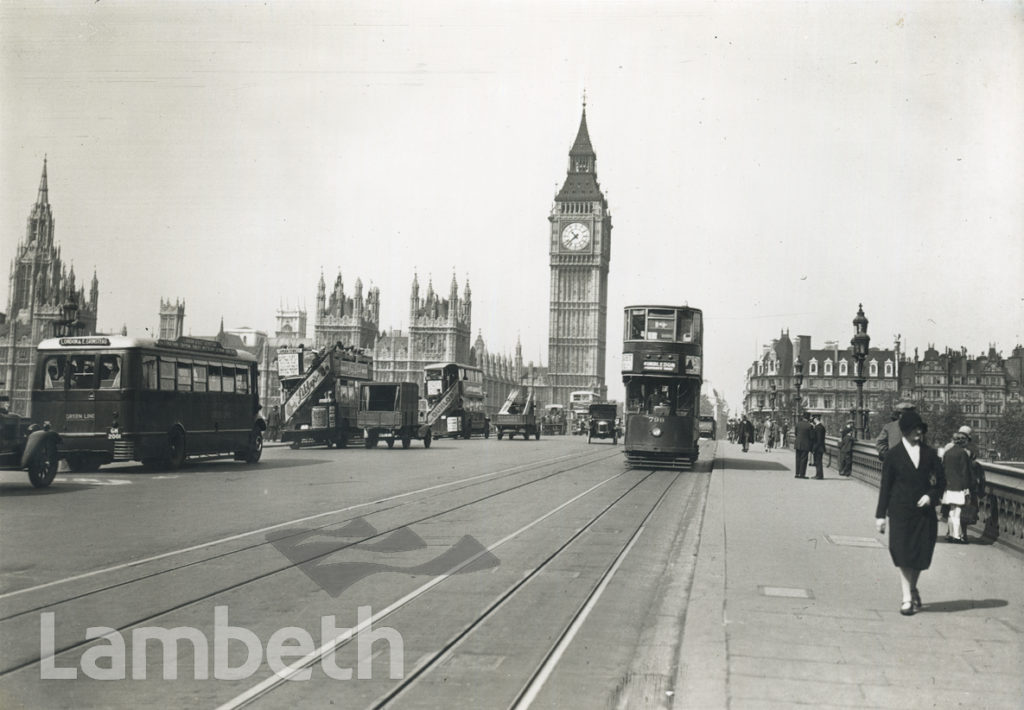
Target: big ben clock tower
580, 249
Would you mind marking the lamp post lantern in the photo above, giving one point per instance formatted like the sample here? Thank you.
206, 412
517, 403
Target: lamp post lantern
798, 380
69, 325
860, 343
771, 399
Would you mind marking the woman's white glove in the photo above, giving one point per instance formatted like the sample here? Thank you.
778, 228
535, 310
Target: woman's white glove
925, 501
880, 525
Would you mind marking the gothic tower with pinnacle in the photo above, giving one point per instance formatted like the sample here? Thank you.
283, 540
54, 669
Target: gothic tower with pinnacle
580, 251
42, 287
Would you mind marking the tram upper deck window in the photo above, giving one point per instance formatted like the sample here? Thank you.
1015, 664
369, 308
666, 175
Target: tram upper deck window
686, 320
660, 324
636, 322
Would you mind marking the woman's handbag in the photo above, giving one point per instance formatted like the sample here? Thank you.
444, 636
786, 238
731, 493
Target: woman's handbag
969, 514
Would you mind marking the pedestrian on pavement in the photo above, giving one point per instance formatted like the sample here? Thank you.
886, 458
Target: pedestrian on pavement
958, 465
785, 434
803, 441
746, 432
274, 423
846, 437
890, 435
819, 448
912, 485
769, 435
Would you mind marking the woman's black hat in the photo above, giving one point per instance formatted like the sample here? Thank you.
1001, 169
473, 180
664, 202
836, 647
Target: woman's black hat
910, 420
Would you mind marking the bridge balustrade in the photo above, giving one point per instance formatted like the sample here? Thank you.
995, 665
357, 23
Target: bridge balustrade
1000, 512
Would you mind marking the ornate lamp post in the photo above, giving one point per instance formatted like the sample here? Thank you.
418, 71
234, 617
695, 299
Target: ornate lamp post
798, 372
771, 400
69, 325
860, 342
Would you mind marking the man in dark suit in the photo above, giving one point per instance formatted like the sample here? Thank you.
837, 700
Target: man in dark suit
802, 441
818, 448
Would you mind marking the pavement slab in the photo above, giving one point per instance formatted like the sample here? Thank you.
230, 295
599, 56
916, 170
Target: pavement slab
807, 605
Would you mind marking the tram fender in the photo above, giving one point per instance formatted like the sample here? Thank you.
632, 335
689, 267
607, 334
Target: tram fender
36, 441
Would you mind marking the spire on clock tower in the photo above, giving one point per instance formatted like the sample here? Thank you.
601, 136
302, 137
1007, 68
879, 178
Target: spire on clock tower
581, 176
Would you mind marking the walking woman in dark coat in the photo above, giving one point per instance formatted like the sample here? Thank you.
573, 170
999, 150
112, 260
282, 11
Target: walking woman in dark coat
912, 485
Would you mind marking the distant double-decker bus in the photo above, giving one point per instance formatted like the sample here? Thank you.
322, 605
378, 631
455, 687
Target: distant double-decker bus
662, 371
579, 409
455, 400
117, 398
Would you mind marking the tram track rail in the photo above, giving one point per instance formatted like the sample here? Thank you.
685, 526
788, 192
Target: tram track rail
550, 659
562, 464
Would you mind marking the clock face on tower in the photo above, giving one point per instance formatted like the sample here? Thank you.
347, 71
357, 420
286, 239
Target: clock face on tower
575, 236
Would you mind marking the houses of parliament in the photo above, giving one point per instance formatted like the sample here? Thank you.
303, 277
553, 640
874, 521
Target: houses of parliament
439, 326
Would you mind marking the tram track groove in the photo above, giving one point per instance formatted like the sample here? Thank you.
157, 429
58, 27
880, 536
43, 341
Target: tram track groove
193, 548
435, 658
285, 568
268, 684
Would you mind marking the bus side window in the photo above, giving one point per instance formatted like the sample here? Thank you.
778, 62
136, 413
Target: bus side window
167, 375
149, 372
82, 372
199, 378
54, 369
214, 381
184, 377
228, 380
242, 381
110, 372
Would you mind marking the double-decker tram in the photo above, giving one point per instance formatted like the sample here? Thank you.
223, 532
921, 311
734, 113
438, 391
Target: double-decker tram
455, 400
662, 372
117, 398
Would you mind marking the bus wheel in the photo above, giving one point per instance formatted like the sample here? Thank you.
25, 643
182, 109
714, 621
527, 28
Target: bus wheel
427, 438
342, 440
175, 455
500, 434
371, 440
406, 440
294, 444
255, 450
391, 443
43, 467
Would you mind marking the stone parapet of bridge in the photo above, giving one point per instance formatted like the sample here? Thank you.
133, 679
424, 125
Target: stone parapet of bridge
1000, 512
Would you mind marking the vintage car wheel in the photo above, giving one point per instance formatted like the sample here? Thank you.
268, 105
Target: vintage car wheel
255, 448
371, 440
174, 457
43, 467
501, 434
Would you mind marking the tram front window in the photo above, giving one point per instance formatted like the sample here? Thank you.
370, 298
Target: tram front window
660, 399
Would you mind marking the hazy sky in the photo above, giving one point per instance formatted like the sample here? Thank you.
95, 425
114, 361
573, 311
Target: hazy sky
772, 163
